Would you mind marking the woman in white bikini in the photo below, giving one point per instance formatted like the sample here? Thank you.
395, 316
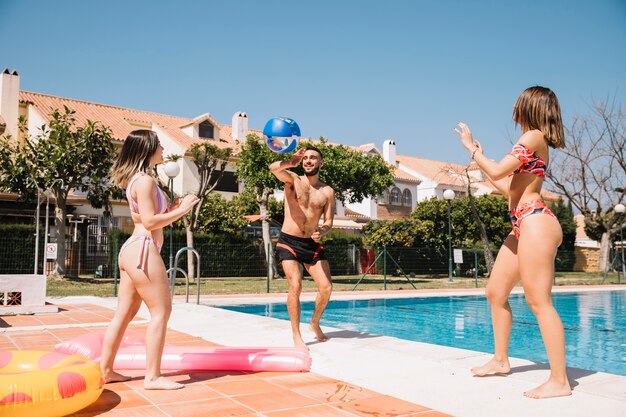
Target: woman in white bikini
142, 271
528, 252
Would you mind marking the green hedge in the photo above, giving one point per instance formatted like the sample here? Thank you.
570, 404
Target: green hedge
221, 255
17, 249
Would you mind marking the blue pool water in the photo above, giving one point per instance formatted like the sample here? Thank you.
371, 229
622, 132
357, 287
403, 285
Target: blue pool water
595, 324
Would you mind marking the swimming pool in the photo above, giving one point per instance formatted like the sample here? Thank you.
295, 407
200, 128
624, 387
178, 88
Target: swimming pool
595, 324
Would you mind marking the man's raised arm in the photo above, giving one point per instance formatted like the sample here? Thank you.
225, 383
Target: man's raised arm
279, 168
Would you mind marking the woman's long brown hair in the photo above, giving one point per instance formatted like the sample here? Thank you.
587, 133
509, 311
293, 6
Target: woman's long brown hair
135, 156
538, 108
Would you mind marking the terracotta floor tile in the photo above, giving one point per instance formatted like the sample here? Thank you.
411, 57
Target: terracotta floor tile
430, 413
333, 391
275, 374
149, 411
244, 386
315, 411
299, 379
219, 407
275, 400
221, 376
381, 406
192, 392
109, 400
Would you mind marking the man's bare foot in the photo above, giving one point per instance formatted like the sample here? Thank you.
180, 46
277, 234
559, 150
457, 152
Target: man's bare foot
493, 367
161, 383
549, 389
299, 343
114, 377
319, 334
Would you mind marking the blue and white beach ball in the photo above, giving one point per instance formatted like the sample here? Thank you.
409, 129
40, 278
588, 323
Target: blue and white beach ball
281, 134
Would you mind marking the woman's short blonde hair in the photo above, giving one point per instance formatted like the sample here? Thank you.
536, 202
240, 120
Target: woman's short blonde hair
135, 156
538, 108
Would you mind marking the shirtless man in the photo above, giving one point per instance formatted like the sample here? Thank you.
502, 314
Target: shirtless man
307, 199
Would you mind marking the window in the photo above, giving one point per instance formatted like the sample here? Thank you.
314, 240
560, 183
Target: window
205, 130
227, 183
406, 198
98, 234
394, 198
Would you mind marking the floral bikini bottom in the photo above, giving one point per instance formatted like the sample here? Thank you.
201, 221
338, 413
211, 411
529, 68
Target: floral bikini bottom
527, 209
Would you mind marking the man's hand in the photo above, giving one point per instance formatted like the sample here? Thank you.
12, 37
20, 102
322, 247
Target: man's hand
316, 236
296, 158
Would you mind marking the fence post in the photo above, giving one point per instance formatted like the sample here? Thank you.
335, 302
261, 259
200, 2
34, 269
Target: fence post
115, 267
476, 268
385, 268
269, 266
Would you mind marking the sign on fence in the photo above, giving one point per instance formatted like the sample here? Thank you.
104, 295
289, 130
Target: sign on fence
458, 256
51, 251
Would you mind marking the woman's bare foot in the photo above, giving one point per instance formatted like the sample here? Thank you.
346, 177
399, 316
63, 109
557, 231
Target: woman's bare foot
114, 377
299, 343
319, 334
549, 389
161, 383
493, 367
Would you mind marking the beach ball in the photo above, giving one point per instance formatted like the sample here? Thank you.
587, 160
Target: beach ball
281, 134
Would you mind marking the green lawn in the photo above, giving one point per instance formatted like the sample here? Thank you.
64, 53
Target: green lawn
105, 287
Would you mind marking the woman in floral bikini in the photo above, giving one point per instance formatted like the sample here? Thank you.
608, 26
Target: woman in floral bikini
528, 252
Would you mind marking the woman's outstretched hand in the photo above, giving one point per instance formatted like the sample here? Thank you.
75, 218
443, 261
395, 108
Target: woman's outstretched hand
188, 201
469, 143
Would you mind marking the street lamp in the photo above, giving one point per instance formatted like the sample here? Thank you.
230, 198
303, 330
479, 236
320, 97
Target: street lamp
82, 218
172, 170
47, 226
449, 195
619, 208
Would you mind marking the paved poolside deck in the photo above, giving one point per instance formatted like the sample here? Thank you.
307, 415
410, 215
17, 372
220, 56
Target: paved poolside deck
352, 374
246, 394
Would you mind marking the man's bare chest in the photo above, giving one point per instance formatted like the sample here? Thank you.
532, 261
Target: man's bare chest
309, 197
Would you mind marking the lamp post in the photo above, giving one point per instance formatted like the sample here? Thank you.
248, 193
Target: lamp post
449, 195
172, 170
47, 226
82, 218
619, 208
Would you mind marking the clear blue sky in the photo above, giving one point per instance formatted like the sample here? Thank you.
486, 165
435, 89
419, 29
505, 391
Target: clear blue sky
353, 71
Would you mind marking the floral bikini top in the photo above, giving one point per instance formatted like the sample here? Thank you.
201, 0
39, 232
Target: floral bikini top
163, 202
531, 162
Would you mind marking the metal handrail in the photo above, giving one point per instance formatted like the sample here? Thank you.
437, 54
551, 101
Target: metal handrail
175, 269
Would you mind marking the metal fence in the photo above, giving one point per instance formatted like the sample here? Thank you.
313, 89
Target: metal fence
248, 260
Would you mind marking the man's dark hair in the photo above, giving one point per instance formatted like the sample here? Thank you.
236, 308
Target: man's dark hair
313, 148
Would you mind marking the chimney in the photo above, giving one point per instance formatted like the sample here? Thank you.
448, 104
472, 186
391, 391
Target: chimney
9, 100
389, 151
240, 126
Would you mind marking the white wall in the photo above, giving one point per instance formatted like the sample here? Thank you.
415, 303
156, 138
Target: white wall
366, 207
9, 100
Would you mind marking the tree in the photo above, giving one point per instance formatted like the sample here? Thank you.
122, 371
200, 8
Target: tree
352, 175
219, 216
211, 163
590, 171
60, 158
397, 233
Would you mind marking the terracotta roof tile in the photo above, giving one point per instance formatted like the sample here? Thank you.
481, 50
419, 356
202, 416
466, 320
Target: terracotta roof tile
441, 172
122, 120
354, 214
400, 174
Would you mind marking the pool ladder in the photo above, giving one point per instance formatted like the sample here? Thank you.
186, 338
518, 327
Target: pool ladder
174, 270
